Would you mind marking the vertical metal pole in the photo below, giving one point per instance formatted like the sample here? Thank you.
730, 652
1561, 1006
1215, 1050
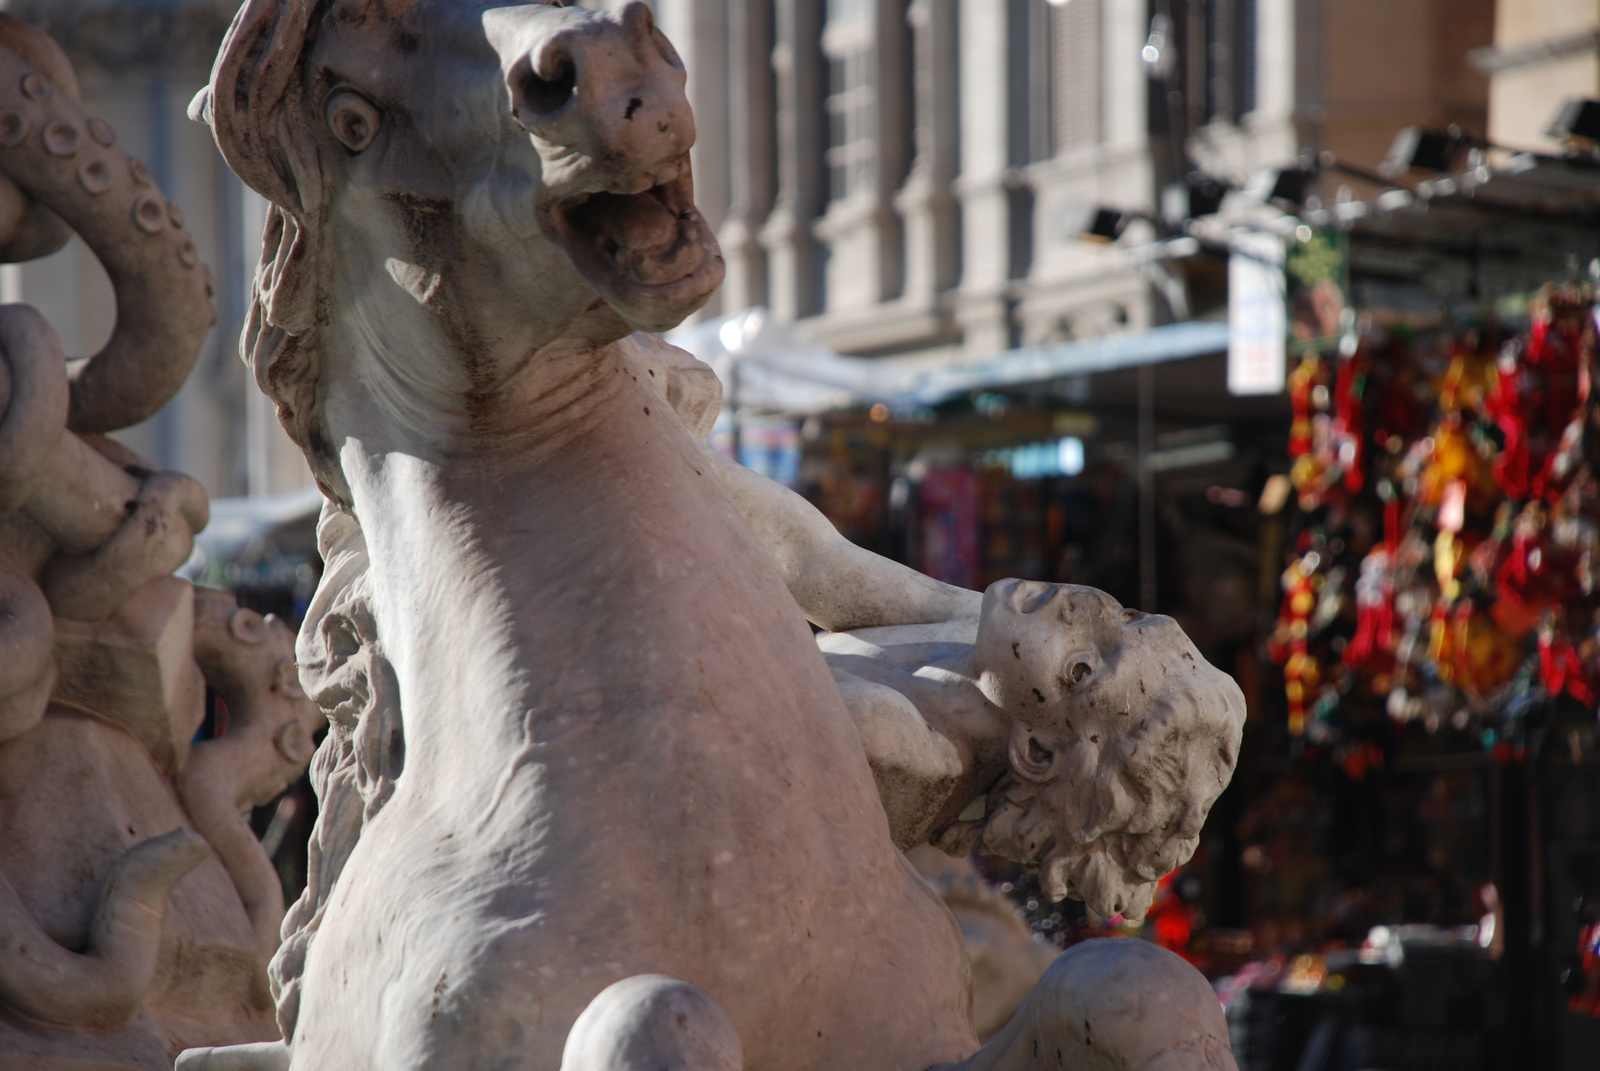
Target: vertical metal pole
733, 410
1147, 489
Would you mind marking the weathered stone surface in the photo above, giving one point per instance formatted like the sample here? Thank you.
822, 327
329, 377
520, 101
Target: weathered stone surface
136, 669
76, 795
125, 936
580, 731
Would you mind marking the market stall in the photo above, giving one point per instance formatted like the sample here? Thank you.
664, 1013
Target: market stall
1395, 556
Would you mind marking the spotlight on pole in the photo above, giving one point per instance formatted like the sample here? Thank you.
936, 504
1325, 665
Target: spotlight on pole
1293, 185
1197, 196
1105, 225
1578, 124
1418, 149
1205, 195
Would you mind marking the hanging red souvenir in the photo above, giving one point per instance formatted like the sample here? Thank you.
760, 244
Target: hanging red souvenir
1491, 521
1542, 388
1456, 457
1587, 1000
1301, 382
1401, 397
1470, 377
1482, 657
1371, 650
1561, 671
1301, 673
1348, 433
1528, 583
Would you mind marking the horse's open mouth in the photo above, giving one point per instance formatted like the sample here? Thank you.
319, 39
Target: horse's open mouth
647, 249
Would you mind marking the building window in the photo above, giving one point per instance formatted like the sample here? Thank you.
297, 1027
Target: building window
1214, 78
1244, 58
1075, 33
851, 152
1028, 81
848, 46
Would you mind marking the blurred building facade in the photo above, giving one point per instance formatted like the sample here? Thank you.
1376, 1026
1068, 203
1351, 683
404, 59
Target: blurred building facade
911, 176
901, 176
1544, 52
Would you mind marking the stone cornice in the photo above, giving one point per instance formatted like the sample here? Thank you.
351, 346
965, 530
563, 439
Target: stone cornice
1495, 60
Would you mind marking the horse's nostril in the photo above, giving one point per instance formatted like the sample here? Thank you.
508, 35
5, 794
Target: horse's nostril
542, 96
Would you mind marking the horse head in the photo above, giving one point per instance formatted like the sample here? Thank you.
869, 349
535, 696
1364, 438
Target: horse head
459, 183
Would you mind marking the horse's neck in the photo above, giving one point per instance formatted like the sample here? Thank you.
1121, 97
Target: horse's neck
496, 542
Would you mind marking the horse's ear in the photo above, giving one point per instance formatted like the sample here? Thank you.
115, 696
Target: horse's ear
255, 109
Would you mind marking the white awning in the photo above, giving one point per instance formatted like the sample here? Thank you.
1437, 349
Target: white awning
764, 364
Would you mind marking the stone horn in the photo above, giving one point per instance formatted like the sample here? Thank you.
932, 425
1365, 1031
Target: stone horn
105, 984
71, 164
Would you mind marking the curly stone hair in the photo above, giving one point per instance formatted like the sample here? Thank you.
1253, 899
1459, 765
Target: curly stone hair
1116, 816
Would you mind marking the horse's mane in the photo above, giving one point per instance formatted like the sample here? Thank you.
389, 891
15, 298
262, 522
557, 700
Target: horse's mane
256, 109
342, 668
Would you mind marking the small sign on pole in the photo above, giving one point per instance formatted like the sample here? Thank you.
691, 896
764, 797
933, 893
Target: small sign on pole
1257, 320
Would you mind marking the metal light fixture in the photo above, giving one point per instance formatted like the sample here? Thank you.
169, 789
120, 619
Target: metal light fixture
1419, 149
1293, 185
1205, 195
1105, 225
1578, 124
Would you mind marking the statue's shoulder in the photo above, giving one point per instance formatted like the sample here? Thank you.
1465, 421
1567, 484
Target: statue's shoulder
686, 383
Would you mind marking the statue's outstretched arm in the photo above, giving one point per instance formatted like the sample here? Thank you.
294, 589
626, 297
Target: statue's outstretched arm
837, 584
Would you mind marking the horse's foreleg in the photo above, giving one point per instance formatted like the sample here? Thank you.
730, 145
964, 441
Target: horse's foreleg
649, 1022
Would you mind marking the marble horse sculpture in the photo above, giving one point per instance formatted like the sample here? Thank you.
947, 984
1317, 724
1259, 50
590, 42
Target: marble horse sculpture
586, 764
137, 909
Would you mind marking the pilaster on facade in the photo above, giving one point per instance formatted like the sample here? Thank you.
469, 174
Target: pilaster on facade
794, 274
1266, 135
699, 33
983, 300
749, 153
869, 115
862, 236
927, 202
892, 247
1101, 157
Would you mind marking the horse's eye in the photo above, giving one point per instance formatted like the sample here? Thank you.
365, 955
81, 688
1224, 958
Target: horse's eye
353, 119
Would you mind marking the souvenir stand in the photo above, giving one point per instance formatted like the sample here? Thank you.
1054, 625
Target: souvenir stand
1418, 853
1395, 559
